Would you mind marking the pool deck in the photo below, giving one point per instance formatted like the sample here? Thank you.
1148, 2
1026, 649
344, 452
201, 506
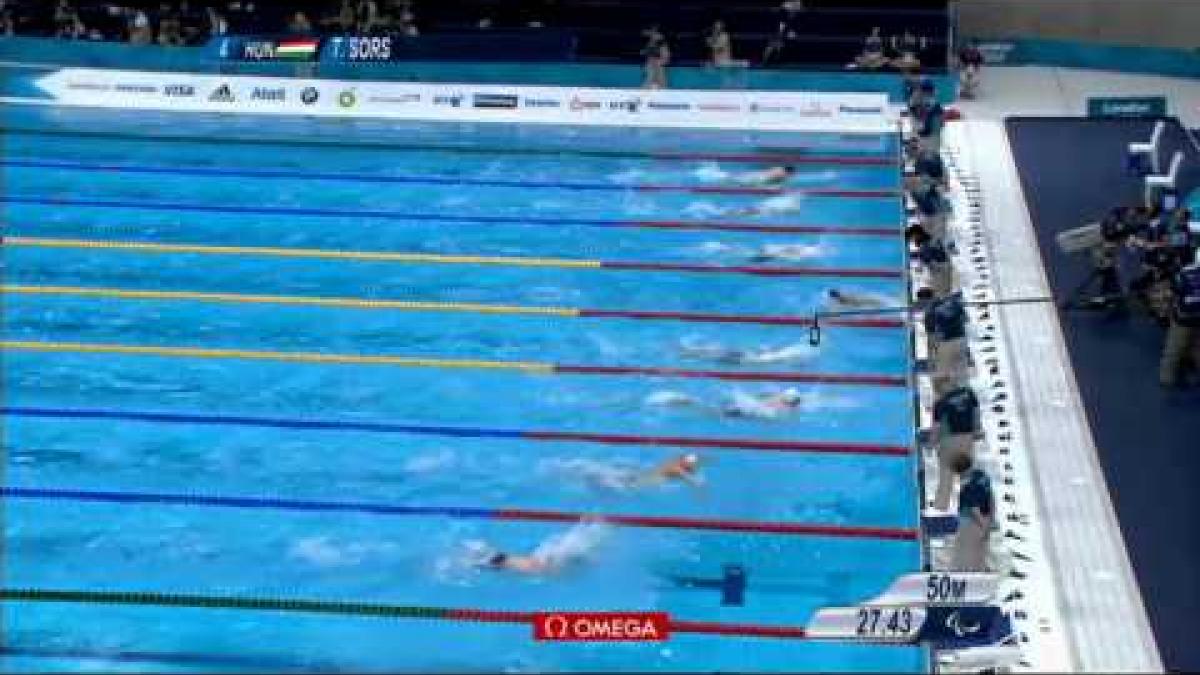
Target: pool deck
1082, 605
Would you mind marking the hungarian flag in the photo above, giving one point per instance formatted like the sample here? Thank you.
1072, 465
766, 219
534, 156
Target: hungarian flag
299, 49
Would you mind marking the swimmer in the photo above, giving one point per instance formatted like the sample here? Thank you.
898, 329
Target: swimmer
850, 300
553, 555
731, 356
525, 564
778, 205
768, 406
682, 468
787, 252
773, 177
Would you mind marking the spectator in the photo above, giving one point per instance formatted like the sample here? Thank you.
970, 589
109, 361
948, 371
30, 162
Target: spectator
872, 57
343, 21
366, 16
406, 25
720, 47
657, 54
7, 25
217, 24
970, 63
1183, 335
299, 24
140, 32
956, 414
976, 516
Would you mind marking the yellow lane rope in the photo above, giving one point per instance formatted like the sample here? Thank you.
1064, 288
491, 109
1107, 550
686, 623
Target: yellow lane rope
305, 357
265, 251
355, 303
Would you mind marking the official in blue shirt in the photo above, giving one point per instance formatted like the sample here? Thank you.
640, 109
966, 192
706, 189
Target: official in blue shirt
956, 414
946, 326
1183, 335
976, 517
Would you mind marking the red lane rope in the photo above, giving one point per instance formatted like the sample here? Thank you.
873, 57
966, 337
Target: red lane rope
772, 158
753, 526
779, 229
824, 447
761, 271
739, 318
816, 378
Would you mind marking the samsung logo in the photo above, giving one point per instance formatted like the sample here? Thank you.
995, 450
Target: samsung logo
495, 101
268, 94
856, 110
183, 90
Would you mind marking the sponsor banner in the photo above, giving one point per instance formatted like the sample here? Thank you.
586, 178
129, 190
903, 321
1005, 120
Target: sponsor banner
752, 110
1128, 106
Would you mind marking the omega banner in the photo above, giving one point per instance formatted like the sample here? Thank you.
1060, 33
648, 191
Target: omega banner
756, 110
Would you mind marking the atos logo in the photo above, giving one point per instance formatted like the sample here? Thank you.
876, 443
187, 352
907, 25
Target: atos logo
309, 95
179, 90
452, 100
268, 94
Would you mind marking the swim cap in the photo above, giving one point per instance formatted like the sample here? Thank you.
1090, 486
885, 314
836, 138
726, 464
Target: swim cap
691, 458
791, 395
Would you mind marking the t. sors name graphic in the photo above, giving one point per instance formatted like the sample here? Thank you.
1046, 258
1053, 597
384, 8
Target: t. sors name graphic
541, 103
660, 105
601, 626
268, 94
309, 95
136, 88
179, 90
582, 104
494, 100
452, 100
395, 98
860, 110
719, 107
629, 105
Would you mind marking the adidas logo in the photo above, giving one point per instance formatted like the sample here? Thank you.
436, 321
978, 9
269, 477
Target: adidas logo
222, 94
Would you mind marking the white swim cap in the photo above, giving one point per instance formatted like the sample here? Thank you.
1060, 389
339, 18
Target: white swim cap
791, 395
691, 458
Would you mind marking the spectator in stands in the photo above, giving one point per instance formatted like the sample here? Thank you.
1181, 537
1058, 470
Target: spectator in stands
970, 64
872, 57
343, 20
299, 24
720, 47
956, 414
7, 24
366, 16
217, 24
976, 516
1183, 335
140, 32
405, 22
657, 54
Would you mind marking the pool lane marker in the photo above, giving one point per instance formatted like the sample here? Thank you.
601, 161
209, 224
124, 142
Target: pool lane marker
364, 426
361, 609
530, 367
429, 306
434, 258
440, 180
894, 231
772, 156
462, 512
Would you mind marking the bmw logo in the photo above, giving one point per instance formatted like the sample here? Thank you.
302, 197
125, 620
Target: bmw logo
310, 95
347, 99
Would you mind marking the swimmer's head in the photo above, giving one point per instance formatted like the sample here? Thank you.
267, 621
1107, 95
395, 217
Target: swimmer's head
497, 560
790, 396
690, 460
789, 169
835, 294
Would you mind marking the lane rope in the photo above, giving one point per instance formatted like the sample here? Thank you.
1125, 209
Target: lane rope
541, 435
771, 156
433, 258
362, 609
466, 512
428, 306
437, 180
446, 218
534, 367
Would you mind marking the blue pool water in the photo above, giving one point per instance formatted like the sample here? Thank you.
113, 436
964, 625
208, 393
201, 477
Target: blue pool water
94, 180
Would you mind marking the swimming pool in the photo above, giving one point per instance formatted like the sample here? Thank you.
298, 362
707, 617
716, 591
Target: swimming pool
230, 363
